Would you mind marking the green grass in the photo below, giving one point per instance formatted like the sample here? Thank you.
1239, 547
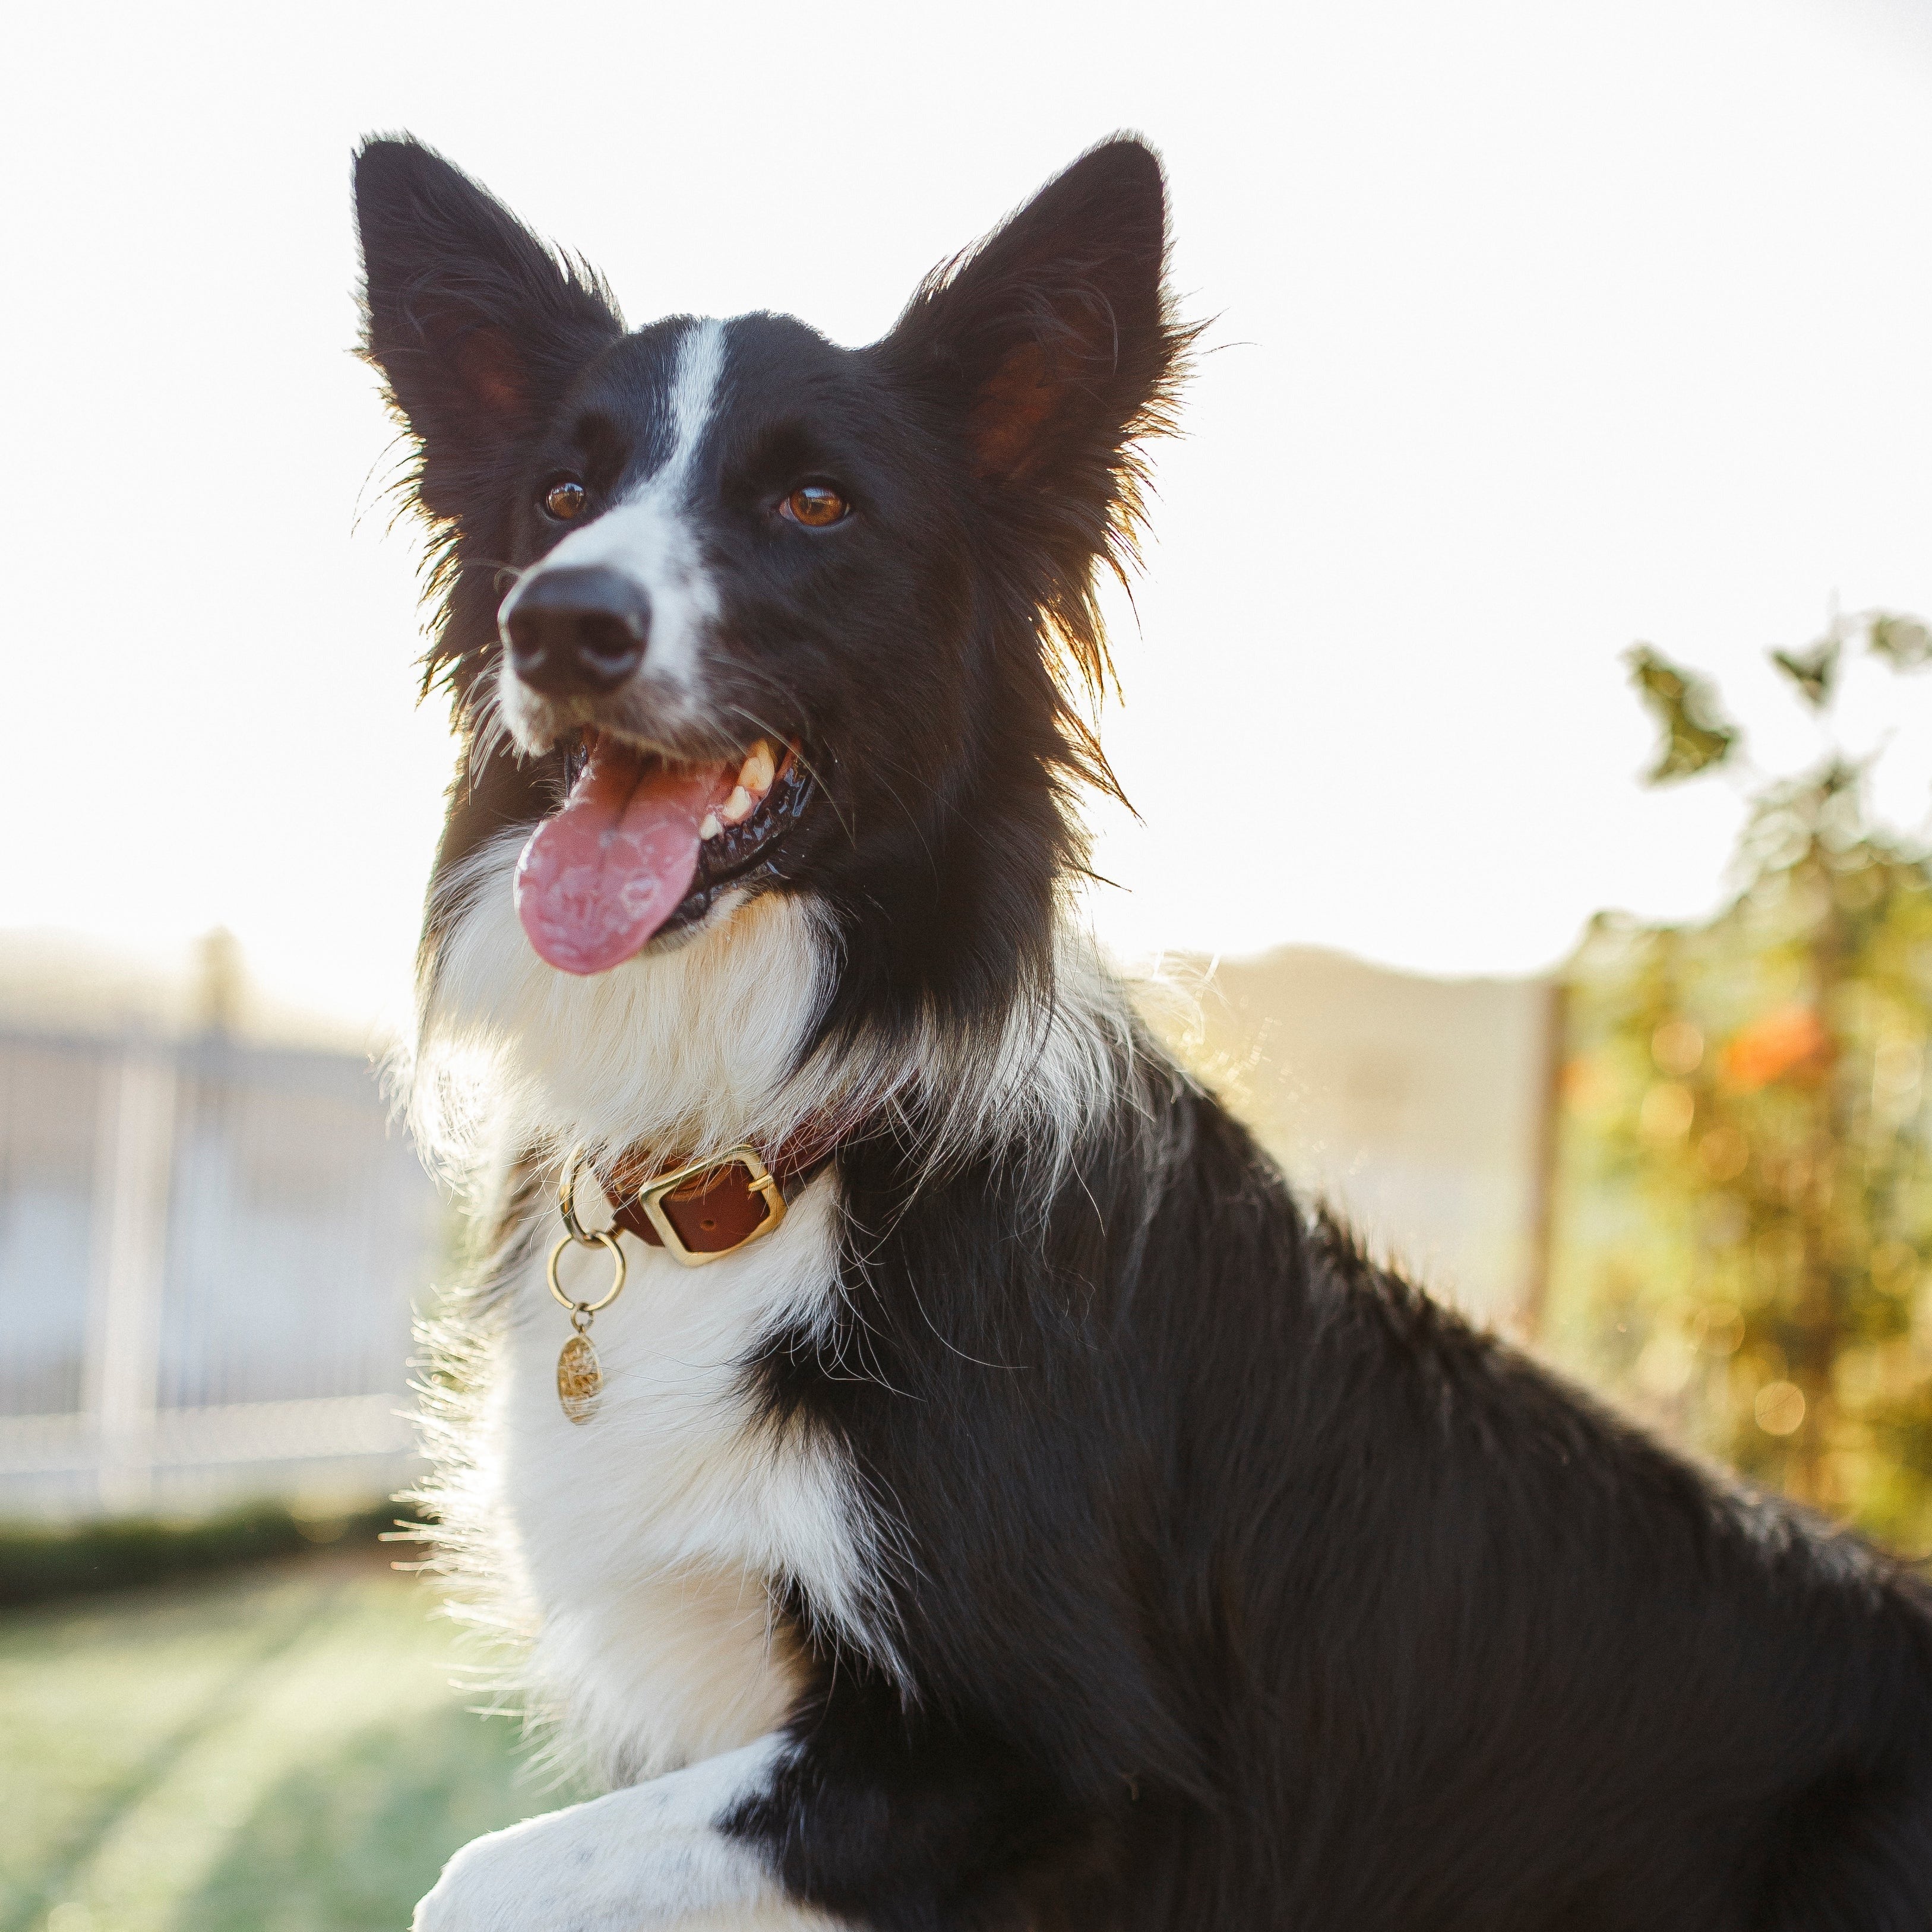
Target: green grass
278, 1750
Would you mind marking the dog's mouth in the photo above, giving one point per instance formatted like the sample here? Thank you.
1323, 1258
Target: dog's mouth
643, 844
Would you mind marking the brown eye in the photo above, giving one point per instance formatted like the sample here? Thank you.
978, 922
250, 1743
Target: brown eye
817, 505
564, 501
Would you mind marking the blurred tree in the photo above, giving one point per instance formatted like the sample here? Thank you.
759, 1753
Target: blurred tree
1743, 1246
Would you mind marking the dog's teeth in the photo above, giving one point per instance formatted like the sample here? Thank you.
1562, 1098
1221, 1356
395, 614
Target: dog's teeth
737, 807
755, 776
708, 826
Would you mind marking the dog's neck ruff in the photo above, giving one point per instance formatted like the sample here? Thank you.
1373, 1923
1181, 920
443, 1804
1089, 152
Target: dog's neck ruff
515, 1062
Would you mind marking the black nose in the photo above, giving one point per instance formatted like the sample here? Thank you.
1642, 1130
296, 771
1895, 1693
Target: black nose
573, 631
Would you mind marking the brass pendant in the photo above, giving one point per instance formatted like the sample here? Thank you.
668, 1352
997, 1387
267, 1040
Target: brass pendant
579, 1375
580, 1379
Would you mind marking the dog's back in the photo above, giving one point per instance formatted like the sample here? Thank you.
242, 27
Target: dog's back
1331, 1612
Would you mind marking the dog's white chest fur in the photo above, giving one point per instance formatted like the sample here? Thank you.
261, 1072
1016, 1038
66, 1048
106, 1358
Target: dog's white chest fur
645, 1545
640, 1553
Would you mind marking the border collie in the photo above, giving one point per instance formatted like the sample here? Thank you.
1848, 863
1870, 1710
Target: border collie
1032, 1515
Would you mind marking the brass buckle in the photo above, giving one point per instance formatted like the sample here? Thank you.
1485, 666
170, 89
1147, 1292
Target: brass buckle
651, 1195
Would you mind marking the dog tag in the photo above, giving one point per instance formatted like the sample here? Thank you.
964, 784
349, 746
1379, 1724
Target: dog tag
580, 1379
579, 1375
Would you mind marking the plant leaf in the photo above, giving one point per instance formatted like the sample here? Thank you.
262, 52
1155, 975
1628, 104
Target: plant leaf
1695, 736
1812, 671
1906, 641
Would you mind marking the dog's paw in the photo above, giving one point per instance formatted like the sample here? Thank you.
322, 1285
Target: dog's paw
649, 1856
631, 1862
507, 1880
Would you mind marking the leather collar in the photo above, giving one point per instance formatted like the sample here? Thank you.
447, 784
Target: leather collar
701, 1208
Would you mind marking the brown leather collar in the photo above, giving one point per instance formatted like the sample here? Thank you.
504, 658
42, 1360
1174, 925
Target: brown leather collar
700, 1210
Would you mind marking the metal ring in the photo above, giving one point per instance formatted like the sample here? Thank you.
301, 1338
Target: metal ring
603, 1238
566, 1200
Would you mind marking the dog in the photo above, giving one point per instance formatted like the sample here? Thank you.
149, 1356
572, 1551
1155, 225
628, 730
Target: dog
995, 1501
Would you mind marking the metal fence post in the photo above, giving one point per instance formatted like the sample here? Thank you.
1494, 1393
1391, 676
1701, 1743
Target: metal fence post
132, 1181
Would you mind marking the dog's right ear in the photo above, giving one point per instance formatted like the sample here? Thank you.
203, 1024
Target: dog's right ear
476, 327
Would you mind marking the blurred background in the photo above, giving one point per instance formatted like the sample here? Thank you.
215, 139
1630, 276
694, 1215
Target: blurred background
1595, 981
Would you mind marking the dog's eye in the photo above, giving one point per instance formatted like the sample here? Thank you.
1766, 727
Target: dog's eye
564, 501
817, 505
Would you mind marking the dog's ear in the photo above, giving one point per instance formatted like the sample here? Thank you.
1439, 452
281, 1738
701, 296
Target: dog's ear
1053, 341
476, 327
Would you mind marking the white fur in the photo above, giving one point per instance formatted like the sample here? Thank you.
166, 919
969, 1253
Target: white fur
645, 1543
633, 1559
648, 1856
647, 535
685, 1046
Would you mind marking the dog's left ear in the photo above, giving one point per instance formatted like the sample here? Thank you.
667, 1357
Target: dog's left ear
1052, 343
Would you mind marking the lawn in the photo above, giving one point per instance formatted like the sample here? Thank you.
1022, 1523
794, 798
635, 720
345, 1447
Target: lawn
277, 1751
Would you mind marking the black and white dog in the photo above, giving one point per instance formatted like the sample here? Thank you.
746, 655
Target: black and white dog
1032, 1517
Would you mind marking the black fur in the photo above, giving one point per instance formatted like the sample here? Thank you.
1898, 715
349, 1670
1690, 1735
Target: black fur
1242, 1586
1254, 1589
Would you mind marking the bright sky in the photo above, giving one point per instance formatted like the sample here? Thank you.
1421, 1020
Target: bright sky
1539, 329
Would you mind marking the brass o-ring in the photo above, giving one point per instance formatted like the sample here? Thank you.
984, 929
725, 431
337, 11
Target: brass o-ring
603, 1238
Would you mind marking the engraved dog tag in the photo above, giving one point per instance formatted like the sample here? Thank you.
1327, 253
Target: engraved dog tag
580, 1379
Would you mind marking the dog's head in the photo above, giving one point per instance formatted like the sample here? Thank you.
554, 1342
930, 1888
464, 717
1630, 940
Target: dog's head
728, 609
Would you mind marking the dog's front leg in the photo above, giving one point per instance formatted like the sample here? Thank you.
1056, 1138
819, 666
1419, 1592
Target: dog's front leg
652, 1854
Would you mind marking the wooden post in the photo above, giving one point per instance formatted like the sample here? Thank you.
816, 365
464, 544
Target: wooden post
1549, 1124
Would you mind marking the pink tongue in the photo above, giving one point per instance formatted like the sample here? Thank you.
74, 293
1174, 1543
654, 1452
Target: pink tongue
595, 881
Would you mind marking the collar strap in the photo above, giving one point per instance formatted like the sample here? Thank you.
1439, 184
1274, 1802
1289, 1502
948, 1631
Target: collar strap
700, 1211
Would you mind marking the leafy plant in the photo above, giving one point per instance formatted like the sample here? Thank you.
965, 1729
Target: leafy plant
1743, 1243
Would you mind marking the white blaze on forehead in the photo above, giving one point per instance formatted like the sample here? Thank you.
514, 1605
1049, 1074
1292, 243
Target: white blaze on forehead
648, 533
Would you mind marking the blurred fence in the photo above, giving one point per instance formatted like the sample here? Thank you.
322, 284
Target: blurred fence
208, 1251
209, 1246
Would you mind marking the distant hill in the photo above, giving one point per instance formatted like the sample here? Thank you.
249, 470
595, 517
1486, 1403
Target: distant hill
1416, 1106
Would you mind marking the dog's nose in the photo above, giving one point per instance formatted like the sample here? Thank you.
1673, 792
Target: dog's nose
572, 632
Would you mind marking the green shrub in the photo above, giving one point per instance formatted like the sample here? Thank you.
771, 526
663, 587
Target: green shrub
37, 1563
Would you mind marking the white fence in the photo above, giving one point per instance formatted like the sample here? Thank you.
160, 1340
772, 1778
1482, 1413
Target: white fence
208, 1254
